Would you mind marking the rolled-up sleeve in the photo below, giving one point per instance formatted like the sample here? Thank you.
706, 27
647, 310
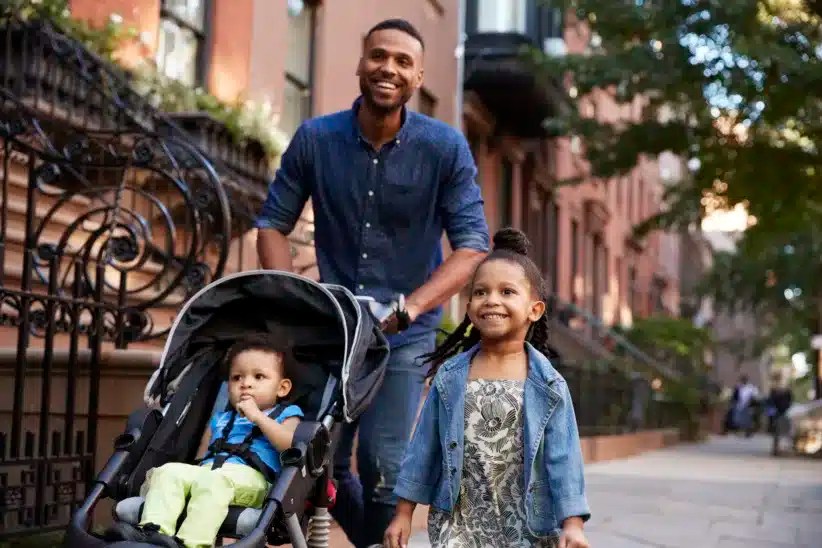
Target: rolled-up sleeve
290, 189
421, 466
461, 203
564, 461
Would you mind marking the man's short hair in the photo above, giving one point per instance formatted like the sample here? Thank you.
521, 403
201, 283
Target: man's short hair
400, 25
265, 342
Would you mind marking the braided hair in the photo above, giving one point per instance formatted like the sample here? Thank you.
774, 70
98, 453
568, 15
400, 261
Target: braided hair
511, 245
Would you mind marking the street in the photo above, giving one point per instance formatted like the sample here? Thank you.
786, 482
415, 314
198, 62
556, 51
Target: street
727, 493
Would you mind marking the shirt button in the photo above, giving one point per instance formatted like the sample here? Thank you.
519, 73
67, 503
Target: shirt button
367, 225
365, 255
370, 192
361, 286
397, 141
376, 161
453, 471
452, 445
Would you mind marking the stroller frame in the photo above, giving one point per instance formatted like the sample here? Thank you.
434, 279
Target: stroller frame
306, 472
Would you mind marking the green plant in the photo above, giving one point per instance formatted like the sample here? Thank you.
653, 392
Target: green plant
244, 120
104, 41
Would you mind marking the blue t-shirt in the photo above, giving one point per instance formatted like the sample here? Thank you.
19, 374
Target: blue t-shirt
242, 427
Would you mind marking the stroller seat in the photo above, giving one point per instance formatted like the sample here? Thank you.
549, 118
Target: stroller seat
239, 522
309, 394
342, 355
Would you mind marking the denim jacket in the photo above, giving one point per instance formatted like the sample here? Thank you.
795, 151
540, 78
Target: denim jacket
554, 480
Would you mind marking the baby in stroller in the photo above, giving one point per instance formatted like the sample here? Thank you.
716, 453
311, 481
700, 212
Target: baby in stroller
243, 456
328, 372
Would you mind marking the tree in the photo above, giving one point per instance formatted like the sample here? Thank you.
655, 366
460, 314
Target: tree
778, 277
734, 86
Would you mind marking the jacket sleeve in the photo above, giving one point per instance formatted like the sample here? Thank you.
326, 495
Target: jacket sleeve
422, 464
563, 459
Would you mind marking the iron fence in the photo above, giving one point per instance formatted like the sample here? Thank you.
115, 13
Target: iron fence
107, 217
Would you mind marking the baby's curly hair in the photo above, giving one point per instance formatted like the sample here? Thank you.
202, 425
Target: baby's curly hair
265, 342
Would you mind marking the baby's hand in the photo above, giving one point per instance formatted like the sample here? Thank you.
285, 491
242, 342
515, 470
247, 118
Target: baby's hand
247, 408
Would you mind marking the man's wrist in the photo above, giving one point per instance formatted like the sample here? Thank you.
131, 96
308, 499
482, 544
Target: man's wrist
574, 522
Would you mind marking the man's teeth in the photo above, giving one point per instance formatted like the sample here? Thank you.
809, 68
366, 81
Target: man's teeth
386, 85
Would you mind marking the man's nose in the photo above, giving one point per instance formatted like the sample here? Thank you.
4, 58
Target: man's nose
388, 68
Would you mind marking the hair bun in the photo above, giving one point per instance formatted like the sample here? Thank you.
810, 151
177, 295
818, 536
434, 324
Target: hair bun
513, 240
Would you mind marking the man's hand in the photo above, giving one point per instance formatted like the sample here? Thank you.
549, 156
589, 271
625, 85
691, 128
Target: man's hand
572, 535
248, 408
390, 325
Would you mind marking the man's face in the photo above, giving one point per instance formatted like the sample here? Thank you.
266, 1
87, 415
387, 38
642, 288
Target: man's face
390, 69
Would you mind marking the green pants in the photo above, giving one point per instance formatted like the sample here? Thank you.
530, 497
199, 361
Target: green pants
210, 493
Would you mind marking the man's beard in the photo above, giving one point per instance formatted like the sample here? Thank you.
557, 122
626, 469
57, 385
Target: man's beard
376, 107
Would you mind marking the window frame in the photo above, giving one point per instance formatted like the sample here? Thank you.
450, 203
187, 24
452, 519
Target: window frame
307, 86
203, 36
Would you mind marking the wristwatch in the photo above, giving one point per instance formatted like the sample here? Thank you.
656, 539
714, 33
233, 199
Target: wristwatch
403, 319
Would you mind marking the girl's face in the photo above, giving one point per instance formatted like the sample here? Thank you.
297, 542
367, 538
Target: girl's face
503, 305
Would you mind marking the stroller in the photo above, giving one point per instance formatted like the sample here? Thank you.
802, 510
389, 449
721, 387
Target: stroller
342, 355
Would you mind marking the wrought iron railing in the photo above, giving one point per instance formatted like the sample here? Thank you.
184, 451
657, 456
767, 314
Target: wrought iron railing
109, 214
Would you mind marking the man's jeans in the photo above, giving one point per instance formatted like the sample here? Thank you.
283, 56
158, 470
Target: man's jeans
365, 504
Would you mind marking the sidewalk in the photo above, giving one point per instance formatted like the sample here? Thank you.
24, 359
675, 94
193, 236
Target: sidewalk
726, 493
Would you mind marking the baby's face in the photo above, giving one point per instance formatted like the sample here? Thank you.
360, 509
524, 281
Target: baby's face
258, 375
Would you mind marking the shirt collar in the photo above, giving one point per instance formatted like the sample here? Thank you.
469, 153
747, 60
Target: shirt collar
405, 124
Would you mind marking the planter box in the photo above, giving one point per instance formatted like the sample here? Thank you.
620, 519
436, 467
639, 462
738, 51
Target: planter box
248, 159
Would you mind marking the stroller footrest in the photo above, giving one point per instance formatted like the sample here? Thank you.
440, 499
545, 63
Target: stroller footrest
238, 523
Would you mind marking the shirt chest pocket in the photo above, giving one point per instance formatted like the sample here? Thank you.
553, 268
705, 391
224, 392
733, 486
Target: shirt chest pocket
406, 202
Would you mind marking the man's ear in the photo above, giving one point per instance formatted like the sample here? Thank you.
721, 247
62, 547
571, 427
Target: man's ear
537, 310
420, 78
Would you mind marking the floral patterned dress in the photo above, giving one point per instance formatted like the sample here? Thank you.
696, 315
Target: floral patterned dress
490, 510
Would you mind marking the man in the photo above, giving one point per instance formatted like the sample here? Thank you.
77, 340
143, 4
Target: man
740, 413
384, 182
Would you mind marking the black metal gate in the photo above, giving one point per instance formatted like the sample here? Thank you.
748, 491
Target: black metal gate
103, 224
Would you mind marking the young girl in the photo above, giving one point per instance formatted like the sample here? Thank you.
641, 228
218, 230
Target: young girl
496, 451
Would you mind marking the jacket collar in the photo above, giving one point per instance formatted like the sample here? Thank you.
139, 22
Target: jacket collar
540, 369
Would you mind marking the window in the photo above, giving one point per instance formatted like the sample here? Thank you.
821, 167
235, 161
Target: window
501, 15
574, 259
181, 47
506, 188
427, 103
551, 230
298, 66
632, 291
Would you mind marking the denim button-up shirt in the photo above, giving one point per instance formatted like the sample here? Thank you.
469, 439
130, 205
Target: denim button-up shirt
380, 215
553, 482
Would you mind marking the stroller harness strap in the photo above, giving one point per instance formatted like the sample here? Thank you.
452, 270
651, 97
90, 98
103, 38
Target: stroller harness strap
220, 450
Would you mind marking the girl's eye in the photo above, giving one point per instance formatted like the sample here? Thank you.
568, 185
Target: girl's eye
508, 291
259, 376
235, 378
479, 292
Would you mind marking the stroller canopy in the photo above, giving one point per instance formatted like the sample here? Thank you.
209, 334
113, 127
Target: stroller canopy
331, 331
